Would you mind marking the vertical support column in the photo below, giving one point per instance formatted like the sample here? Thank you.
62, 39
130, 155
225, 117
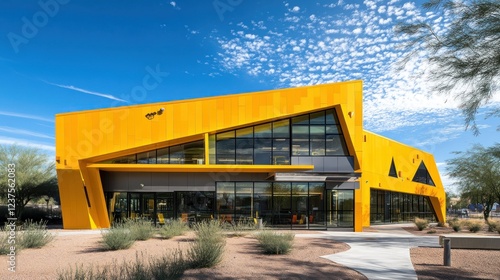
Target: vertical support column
447, 251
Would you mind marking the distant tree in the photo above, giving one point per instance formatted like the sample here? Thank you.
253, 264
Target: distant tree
464, 60
477, 172
34, 175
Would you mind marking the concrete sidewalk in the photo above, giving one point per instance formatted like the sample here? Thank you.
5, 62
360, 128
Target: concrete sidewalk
382, 254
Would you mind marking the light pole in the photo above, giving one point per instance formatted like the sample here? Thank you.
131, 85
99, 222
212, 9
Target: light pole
47, 198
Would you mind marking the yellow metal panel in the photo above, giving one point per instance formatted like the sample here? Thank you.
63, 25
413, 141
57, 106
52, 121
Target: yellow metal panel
74, 209
378, 153
91, 136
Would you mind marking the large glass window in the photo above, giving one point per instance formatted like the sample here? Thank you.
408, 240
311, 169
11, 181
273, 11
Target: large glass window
318, 134
189, 153
314, 134
394, 207
279, 204
265, 144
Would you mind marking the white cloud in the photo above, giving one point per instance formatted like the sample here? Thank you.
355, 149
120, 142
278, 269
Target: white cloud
307, 50
25, 116
173, 4
24, 132
108, 96
295, 9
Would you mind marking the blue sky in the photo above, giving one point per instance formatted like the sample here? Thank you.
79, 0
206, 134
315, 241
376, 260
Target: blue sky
66, 55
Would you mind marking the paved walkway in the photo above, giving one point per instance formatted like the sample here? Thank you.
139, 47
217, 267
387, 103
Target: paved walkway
382, 254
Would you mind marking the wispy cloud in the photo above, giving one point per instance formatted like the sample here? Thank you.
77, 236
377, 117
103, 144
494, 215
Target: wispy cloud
109, 96
22, 142
25, 116
24, 132
302, 47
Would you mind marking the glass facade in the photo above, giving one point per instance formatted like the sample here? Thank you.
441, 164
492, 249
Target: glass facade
314, 134
189, 153
295, 205
190, 206
394, 207
288, 205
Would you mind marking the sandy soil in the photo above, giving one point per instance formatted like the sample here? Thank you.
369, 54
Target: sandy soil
243, 260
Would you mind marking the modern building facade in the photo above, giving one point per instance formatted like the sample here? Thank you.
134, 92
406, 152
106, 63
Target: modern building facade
297, 158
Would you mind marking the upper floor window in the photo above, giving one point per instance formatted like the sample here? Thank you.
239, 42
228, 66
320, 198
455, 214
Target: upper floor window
189, 153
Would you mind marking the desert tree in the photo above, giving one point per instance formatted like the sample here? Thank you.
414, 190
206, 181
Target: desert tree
34, 175
464, 57
477, 174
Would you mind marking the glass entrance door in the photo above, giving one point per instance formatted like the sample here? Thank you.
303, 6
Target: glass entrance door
164, 206
340, 208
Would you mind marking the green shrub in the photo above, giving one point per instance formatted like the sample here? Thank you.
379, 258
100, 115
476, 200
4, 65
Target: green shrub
81, 273
208, 248
136, 270
441, 224
4, 242
493, 225
475, 226
118, 237
242, 227
169, 266
421, 223
431, 231
456, 225
275, 243
140, 229
175, 228
34, 235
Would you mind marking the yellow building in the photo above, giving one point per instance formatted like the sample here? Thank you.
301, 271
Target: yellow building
296, 158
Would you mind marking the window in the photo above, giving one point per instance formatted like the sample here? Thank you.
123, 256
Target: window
392, 170
189, 153
318, 134
422, 175
264, 144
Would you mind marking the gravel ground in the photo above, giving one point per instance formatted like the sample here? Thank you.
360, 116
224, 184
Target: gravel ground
242, 259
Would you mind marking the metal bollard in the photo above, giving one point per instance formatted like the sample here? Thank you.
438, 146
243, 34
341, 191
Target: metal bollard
447, 251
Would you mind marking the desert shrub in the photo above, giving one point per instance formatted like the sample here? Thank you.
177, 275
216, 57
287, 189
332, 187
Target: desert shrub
242, 227
475, 226
421, 223
140, 229
493, 225
431, 231
137, 270
175, 228
34, 235
169, 266
275, 243
118, 237
456, 225
441, 224
83, 273
4, 242
208, 248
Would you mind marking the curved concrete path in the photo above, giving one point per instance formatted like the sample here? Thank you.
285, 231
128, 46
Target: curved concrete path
382, 254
